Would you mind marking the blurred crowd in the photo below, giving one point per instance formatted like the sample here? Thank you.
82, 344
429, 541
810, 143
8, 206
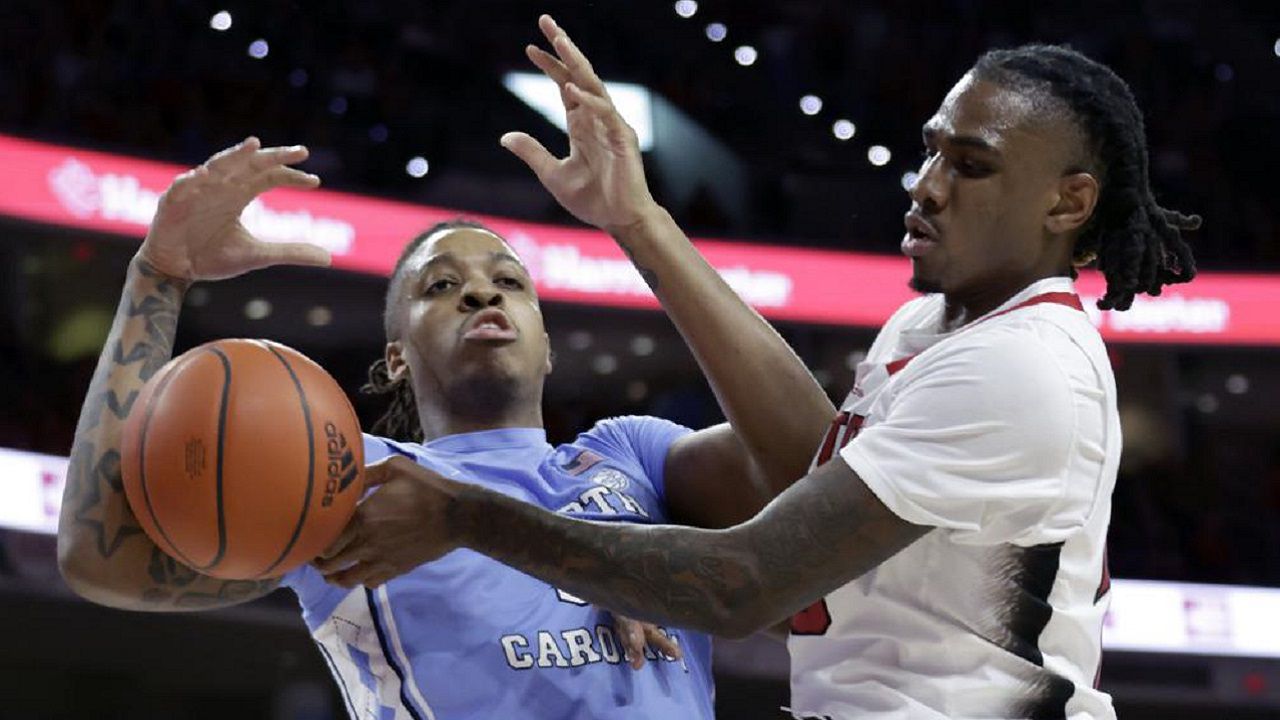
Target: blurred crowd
368, 85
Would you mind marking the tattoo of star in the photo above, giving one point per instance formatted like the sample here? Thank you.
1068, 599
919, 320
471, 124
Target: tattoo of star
111, 522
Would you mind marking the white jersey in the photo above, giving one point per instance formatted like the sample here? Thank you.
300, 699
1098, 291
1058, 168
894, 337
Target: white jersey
1004, 437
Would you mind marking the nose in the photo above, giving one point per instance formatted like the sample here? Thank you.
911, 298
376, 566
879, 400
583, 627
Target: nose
929, 191
480, 297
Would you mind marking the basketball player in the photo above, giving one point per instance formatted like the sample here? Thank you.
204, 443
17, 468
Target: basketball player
945, 556
465, 361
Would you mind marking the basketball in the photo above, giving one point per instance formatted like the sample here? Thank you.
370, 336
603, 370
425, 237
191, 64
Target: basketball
242, 459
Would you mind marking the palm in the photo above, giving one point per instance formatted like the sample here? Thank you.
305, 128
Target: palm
197, 233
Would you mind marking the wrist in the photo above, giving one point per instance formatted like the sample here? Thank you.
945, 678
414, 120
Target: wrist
141, 265
648, 224
466, 506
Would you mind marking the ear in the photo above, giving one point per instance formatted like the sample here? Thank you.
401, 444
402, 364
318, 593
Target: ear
397, 366
1077, 198
549, 365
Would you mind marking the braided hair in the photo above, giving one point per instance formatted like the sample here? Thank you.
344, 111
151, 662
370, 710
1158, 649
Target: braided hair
1139, 246
400, 421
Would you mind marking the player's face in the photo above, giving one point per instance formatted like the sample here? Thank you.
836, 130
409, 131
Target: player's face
990, 177
472, 327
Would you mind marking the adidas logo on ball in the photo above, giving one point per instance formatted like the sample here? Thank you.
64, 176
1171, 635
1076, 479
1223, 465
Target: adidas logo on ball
342, 470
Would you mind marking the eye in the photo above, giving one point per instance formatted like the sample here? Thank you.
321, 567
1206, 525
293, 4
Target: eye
510, 283
439, 286
968, 168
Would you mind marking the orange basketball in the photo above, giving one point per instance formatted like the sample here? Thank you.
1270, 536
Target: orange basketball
242, 459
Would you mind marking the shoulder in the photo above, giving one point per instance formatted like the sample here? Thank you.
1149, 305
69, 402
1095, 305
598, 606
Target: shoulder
632, 428
1021, 355
1051, 343
1007, 376
377, 447
641, 442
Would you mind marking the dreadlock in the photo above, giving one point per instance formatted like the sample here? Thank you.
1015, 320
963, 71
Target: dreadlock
400, 421
1138, 244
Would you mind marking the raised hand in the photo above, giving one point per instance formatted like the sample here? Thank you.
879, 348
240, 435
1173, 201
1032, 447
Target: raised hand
601, 181
197, 233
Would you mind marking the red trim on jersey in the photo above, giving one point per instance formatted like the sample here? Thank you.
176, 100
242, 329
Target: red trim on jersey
829, 442
1104, 585
896, 365
1069, 299
855, 426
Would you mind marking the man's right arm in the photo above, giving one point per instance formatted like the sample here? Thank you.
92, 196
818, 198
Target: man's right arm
102, 552
196, 235
777, 411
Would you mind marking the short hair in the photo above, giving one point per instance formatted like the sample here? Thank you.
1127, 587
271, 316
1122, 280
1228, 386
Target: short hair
1139, 245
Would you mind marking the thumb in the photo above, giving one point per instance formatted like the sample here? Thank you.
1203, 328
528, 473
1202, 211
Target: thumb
294, 253
532, 152
377, 474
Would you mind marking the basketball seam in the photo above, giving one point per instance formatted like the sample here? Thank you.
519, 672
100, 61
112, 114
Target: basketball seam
222, 431
142, 465
311, 460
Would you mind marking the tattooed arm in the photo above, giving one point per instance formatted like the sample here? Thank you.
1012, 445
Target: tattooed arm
777, 412
822, 532
825, 530
196, 235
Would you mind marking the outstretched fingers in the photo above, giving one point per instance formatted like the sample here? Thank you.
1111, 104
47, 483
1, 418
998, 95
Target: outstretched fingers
603, 110
295, 253
574, 61
281, 176
549, 64
554, 69
234, 158
532, 152
267, 158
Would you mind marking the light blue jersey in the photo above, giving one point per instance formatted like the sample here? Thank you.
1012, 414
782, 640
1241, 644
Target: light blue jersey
467, 637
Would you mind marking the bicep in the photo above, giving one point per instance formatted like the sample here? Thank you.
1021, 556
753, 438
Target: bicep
710, 480
824, 531
978, 446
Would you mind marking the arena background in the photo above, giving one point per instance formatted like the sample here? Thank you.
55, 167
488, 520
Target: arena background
781, 134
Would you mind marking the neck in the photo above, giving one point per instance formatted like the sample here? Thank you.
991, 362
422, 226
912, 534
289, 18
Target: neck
438, 421
965, 307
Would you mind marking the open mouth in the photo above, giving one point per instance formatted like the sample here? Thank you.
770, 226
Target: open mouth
492, 326
920, 237
916, 245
